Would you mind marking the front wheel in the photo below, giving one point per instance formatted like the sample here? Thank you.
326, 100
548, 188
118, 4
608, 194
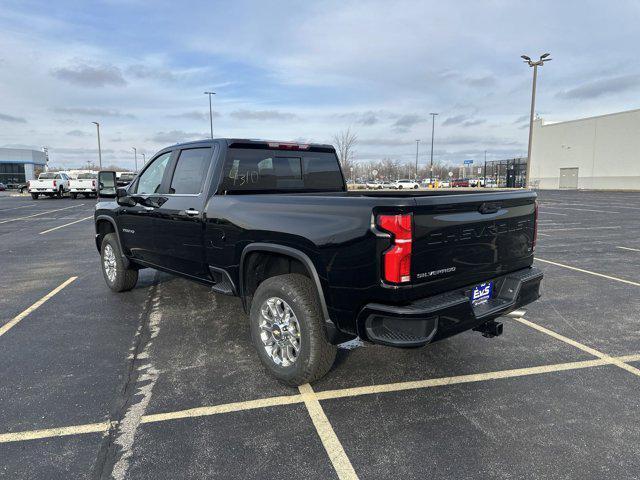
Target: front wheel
415, 187
287, 330
117, 277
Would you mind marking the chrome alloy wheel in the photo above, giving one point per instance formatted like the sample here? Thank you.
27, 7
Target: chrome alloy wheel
109, 263
279, 331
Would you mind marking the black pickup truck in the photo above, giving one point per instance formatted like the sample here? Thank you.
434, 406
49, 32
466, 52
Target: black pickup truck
316, 265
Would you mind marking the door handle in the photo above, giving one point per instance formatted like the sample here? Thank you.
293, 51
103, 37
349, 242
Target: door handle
191, 212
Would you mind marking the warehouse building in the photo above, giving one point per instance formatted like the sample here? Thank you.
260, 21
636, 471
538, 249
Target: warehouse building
18, 165
600, 153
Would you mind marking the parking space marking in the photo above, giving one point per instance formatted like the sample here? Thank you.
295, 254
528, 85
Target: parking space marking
589, 272
65, 225
15, 320
578, 228
582, 209
552, 213
55, 432
332, 445
629, 248
324, 395
225, 408
581, 346
41, 213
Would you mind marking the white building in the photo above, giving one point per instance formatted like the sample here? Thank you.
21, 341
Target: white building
17, 165
600, 152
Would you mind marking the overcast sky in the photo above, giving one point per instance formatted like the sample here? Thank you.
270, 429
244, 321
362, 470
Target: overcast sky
305, 70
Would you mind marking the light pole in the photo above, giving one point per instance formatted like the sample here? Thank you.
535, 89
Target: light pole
433, 127
135, 159
99, 147
417, 144
210, 112
535, 65
144, 159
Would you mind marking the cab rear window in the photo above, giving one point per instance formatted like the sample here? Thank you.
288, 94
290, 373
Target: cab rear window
278, 170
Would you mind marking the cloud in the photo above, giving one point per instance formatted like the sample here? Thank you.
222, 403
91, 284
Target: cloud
145, 71
463, 121
195, 115
177, 136
520, 119
386, 142
405, 122
455, 120
12, 119
77, 133
90, 111
602, 87
262, 115
91, 76
485, 81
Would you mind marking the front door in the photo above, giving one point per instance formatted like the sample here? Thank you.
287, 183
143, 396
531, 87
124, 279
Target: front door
136, 222
178, 222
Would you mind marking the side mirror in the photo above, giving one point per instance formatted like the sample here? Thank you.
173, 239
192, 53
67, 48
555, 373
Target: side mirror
107, 184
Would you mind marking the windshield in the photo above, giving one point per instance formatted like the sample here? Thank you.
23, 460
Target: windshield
278, 170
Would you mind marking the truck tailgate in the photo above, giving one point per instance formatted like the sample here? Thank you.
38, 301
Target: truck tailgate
462, 239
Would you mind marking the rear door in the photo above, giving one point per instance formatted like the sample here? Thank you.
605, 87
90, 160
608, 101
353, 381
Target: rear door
462, 239
178, 222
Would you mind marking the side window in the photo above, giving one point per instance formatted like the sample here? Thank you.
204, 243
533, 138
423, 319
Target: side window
190, 171
150, 180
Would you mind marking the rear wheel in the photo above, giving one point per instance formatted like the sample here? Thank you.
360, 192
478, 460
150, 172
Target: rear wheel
74, 195
287, 329
59, 193
117, 277
34, 196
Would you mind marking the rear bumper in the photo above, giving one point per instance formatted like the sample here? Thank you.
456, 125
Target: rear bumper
434, 318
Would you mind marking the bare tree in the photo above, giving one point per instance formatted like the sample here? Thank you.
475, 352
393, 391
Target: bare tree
345, 143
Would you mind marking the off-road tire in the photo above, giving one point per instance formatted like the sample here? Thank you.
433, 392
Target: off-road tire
34, 196
316, 354
74, 195
125, 278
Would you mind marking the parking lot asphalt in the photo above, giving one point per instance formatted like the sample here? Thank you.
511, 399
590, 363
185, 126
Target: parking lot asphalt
163, 382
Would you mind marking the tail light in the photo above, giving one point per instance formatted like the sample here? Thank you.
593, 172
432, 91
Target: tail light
397, 259
288, 146
55, 184
535, 227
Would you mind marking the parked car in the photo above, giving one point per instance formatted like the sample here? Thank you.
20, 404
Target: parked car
405, 183
84, 184
50, 184
125, 178
444, 183
375, 185
314, 264
3, 187
460, 182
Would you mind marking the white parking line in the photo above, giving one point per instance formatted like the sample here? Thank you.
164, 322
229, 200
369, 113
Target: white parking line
15, 320
584, 348
582, 209
552, 213
629, 248
332, 445
588, 271
579, 228
65, 225
41, 213
324, 395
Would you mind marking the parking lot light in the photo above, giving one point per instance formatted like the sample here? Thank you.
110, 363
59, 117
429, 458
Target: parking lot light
543, 58
99, 147
135, 158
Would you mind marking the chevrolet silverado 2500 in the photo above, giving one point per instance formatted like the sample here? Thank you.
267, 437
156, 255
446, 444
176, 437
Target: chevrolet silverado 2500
314, 264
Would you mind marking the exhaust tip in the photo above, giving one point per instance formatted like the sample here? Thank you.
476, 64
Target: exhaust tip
516, 314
